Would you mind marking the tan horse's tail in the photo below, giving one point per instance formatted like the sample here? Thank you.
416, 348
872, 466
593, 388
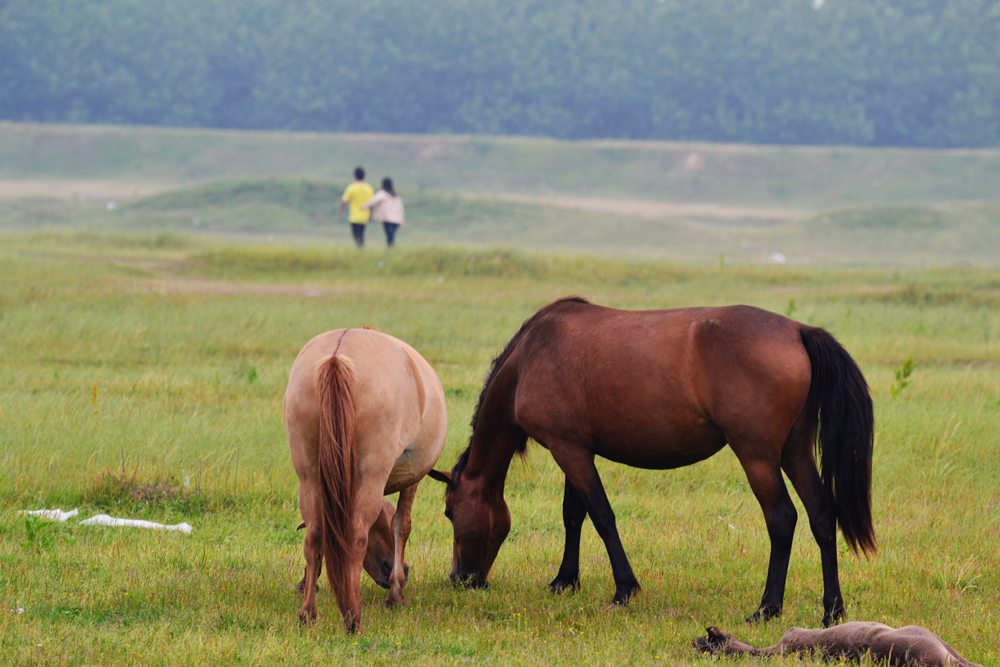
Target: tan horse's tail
337, 468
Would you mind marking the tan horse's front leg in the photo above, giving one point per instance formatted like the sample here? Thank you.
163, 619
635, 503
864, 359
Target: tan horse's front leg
400, 534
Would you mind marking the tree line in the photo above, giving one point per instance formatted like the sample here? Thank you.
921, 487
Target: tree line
858, 72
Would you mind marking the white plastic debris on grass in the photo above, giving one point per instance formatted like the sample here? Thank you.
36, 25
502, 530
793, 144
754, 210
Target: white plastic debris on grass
105, 520
52, 515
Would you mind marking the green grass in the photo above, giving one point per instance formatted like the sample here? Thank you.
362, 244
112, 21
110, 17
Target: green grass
142, 376
305, 211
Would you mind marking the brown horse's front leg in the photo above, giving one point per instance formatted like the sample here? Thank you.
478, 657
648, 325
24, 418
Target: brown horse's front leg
400, 534
574, 512
578, 464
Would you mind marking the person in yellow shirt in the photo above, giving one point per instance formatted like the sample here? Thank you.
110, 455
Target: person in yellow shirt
355, 197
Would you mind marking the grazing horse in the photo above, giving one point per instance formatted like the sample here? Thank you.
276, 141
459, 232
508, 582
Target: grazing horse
662, 389
381, 552
365, 416
910, 646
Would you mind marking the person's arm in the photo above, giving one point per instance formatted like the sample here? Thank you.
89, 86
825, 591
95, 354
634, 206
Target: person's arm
374, 201
343, 202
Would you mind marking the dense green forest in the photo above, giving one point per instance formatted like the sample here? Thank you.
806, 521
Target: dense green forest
861, 72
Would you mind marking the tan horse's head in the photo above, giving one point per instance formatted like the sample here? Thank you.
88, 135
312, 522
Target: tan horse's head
481, 522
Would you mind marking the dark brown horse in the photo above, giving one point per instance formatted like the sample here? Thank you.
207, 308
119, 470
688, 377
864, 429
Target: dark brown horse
663, 389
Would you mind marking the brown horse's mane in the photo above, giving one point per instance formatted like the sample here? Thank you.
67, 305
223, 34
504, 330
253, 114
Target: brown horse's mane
495, 367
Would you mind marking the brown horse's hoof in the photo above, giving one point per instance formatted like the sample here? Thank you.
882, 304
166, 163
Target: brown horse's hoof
560, 585
624, 594
764, 613
307, 618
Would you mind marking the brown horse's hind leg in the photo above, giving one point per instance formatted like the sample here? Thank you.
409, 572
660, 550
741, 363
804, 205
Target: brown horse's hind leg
400, 534
578, 464
780, 515
574, 512
799, 464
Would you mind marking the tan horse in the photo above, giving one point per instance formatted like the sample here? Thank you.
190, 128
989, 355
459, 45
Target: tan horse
365, 416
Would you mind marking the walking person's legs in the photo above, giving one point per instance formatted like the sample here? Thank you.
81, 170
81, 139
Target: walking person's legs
358, 232
390, 233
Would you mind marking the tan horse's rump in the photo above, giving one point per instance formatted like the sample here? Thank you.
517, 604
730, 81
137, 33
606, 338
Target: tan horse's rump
365, 417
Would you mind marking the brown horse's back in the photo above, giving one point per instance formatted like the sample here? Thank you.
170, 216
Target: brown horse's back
659, 389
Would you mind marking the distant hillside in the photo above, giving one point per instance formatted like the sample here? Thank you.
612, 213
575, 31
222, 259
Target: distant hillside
306, 212
810, 179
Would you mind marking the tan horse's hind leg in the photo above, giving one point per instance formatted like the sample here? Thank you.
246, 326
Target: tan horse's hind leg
367, 506
400, 534
312, 549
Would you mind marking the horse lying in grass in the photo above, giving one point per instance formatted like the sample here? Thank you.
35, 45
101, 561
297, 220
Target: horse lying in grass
365, 417
910, 646
663, 389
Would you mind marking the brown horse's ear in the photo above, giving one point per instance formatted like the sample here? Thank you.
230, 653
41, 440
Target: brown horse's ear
301, 526
440, 476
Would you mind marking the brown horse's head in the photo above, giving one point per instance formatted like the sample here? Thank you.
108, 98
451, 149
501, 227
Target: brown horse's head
481, 521
379, 556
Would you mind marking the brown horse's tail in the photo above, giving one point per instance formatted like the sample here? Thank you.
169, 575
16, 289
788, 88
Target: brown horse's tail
846, 434
337, 466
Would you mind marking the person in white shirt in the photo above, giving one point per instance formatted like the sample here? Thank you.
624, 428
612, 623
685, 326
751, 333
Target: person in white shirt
387, 207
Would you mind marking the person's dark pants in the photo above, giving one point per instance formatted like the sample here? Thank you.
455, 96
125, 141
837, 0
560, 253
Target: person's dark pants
358, 232
390, 232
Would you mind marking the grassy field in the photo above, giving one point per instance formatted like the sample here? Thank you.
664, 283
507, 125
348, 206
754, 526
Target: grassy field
143, 376
156, 284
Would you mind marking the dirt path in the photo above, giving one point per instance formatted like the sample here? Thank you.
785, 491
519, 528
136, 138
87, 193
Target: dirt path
620, 206
83, 190
645, 208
